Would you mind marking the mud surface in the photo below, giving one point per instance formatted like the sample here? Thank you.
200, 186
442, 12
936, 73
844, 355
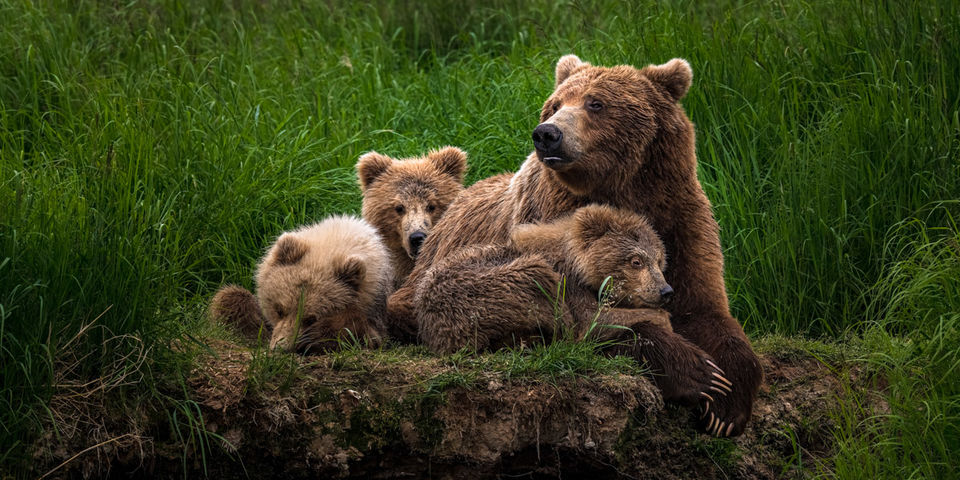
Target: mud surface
416, 417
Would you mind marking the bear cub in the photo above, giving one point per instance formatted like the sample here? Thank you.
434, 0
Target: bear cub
546, 279
315, 286
404, 199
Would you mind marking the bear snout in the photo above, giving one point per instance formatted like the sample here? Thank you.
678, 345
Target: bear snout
666, 293
548, 140
416, 241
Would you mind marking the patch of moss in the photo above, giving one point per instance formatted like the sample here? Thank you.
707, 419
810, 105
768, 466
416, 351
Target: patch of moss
429, 428
372, 427
722, 451
785, 347
322, 394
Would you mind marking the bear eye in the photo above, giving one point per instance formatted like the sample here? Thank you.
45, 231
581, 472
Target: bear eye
399, 209
431, 208
636, 262
594, 106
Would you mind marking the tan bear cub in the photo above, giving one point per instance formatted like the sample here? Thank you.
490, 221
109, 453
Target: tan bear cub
315, 286
404, 199
620, 136
547, 278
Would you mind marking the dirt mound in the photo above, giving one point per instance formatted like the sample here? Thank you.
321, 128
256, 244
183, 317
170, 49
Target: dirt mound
371, 415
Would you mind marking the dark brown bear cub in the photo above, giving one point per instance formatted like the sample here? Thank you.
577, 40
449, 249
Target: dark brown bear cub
548, 278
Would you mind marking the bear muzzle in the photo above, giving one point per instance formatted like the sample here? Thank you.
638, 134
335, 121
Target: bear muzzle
548, 141
416, 241
653, 298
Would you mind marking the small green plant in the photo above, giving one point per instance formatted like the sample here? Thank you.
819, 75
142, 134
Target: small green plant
272, 369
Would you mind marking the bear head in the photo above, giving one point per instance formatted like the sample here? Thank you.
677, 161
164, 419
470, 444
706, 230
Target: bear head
608, 242
600, 241
316, 285
403, 199
601, 120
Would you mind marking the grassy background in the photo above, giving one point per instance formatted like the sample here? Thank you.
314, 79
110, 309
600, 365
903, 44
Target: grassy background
149, 151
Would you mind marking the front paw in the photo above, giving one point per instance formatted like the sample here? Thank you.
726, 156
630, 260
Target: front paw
694, 382
727, 415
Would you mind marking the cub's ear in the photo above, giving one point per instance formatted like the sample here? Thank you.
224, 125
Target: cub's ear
565, 66
351, 272
592, 222
449, 161
674, 76
288, 250
370, 166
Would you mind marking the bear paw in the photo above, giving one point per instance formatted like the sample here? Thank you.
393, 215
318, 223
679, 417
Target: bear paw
692, 380
727, 415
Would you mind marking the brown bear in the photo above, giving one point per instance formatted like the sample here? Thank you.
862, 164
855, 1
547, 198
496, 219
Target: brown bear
317, 285
403, 199
619, 136
546, 280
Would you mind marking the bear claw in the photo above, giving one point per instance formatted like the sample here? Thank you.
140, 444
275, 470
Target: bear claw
714, 365
720, 388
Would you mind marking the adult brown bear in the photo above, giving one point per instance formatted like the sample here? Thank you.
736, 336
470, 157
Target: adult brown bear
619, 136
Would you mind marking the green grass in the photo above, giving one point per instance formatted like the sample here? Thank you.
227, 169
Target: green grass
913, 347
149, 152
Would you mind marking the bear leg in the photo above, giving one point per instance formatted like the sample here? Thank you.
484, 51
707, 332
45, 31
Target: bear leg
401, 320
685, 374
489, 298
236, 306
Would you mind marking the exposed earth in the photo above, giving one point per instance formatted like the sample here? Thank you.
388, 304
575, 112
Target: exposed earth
413, 415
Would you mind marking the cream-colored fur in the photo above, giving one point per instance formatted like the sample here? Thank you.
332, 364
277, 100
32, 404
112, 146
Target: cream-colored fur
318, 281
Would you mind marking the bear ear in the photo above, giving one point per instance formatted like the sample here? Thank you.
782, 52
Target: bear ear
288, 250
370, 166
351, 272
565, 66
674, 76
450, 161
592, 222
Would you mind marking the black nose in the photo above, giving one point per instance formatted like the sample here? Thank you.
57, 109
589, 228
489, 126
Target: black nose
666, 293
416, 240
546, 138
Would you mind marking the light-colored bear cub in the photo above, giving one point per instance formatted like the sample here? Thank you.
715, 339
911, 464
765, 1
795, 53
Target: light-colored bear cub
315, 286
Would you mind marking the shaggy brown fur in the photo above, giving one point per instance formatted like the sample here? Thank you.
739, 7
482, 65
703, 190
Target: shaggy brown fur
405, 198
619, 136
546, 280
315, 286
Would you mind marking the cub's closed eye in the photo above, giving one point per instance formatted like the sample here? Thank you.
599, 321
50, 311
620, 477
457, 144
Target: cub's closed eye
399, 209
594, 106
431, 208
